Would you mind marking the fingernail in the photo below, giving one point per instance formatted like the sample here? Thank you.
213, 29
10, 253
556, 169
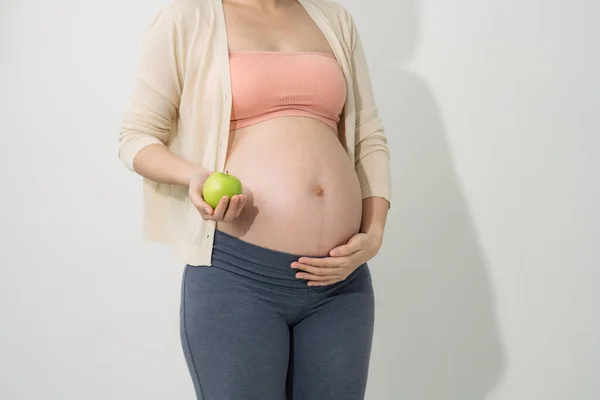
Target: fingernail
207, 210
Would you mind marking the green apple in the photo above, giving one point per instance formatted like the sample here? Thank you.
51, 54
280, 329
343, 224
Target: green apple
218, 185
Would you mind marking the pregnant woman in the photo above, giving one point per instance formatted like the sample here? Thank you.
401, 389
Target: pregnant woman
277, 300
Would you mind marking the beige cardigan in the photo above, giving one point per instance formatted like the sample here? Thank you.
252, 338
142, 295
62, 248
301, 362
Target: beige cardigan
182, 99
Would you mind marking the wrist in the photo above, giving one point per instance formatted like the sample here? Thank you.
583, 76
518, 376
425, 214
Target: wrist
375, 233
193, 174
376, 240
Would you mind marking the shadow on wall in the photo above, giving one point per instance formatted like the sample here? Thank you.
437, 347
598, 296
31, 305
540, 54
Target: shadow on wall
437, 336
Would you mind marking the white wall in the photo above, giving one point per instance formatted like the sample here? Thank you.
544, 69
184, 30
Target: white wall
486, 286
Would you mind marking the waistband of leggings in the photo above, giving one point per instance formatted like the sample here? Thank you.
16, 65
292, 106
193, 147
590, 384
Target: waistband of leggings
254, 261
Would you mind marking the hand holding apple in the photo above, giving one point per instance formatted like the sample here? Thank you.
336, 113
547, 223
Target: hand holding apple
218, 185
217, 196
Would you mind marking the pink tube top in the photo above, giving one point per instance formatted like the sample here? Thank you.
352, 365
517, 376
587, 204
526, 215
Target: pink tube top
270, 84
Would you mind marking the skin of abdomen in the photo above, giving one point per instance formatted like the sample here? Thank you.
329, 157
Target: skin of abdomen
303, 192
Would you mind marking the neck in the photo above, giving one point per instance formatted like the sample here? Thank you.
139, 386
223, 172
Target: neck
259, 4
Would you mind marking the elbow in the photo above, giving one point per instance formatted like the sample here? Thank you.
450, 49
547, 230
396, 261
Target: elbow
373, 169
130, 143
147, 120
375, 142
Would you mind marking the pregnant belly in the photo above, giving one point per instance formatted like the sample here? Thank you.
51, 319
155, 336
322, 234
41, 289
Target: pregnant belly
303, 192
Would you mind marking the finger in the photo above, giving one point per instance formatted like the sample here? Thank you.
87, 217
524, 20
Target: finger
323, 283
356, 243
243, 201
327, 262
319, 271
311, 277
232, 209
202, 207
221, 207
346, 249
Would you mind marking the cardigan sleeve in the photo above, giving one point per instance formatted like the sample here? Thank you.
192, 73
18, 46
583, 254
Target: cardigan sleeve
153, 105
371, 151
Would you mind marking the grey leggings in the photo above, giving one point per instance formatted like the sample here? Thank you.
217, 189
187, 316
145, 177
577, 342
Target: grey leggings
251, 330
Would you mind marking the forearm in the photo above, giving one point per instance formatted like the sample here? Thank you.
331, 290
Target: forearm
374, 215
156, 162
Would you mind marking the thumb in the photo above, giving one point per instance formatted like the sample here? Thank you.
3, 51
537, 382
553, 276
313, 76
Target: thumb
352, 246
196, 198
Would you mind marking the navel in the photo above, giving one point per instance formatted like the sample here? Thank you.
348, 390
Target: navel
318, 191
